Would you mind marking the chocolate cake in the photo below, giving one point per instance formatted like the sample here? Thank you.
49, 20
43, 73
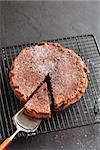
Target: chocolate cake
67, 72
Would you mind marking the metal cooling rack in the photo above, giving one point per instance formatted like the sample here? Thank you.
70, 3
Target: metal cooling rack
84, 112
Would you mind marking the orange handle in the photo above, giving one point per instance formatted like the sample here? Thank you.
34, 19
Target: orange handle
5, 144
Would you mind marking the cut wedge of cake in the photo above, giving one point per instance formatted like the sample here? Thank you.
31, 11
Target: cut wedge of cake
39, 105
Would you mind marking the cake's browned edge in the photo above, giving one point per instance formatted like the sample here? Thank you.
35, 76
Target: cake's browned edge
14, 87
68, 102
34, 114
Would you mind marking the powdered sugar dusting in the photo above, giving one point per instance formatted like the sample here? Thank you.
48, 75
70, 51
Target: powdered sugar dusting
41, 51
45, 67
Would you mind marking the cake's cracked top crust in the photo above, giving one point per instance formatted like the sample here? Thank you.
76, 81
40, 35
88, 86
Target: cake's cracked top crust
39, 105
67, 72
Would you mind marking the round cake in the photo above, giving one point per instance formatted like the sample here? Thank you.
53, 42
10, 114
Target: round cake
66, 70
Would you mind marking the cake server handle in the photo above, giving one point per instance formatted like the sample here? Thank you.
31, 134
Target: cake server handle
8, 140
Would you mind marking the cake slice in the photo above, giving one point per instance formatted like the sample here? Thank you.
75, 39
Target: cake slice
39, 105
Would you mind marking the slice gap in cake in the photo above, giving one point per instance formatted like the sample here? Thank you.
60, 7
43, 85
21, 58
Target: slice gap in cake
39, 104
41, 83
50, 93
39, 86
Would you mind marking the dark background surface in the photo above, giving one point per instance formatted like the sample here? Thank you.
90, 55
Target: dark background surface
25, 22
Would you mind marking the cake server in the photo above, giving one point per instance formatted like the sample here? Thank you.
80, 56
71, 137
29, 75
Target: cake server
22, 123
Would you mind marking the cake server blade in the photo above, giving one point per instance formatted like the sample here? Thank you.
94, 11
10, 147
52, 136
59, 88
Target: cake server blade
22, 123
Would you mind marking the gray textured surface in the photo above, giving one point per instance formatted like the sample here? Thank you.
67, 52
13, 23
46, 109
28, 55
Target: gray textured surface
23, 22
83, 138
